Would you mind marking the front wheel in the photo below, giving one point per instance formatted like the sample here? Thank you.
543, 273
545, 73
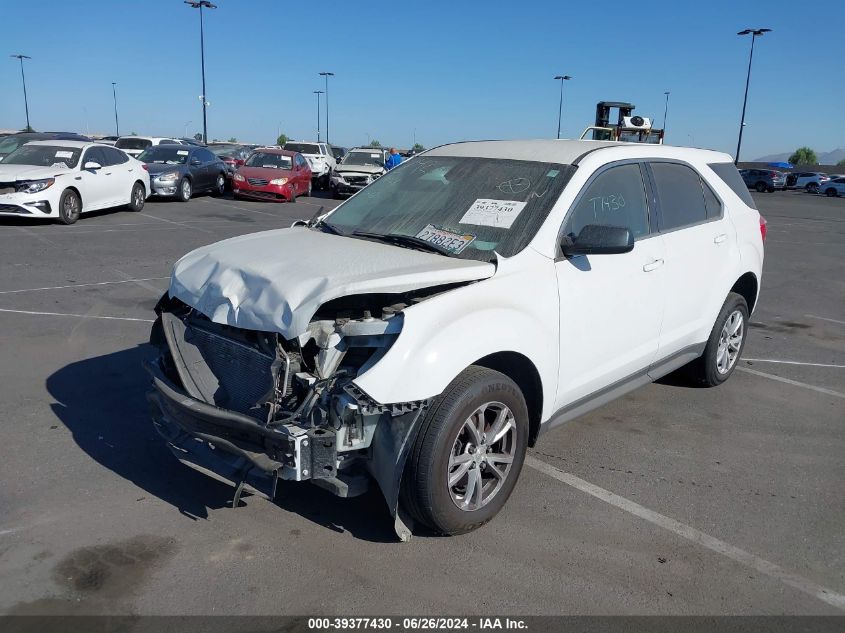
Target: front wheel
468, 455
812, 188
185, 190
724, 347
70, 206
219, 185
137, 197
761, 187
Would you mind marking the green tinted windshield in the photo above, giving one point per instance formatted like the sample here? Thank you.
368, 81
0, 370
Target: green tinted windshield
487, 204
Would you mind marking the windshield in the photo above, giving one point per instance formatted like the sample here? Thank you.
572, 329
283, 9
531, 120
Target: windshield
271, 161
9, 145
165, 155
364, 158
303, 148
133, 143
473, 205
44, 156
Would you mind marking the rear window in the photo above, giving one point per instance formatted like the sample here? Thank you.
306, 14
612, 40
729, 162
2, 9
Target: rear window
303, 148
133, 143
730, 176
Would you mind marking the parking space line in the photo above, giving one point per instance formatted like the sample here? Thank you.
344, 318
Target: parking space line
98, 283
793, 362
812, 316
179, 224
235, 206
78, 316
692, 534
795, 383
142, 283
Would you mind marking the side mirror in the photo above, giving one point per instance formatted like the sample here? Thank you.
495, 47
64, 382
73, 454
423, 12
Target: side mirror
595, 239
93, 165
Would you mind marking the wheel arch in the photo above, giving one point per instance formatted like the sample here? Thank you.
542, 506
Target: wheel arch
748, 287
524, 373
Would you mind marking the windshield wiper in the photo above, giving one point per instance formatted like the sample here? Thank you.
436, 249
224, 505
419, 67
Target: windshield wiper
331, 228
405, 240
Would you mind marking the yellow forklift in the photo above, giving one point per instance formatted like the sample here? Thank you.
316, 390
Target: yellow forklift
629, 127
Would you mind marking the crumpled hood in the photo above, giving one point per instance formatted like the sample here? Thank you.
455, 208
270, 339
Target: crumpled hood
30, 172
359, 169
275, 281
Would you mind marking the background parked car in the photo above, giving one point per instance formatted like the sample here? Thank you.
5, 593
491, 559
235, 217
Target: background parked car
273, 174
763, 179
809, 180
360, 167
834, 187
12, 142
182, 170
134, 145
62, 179
233, 155
319, 157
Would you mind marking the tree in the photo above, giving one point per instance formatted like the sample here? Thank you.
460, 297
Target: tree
804, 156
233, 140
133, 133
375, 143
841, 163
418, 148
198, 136
283, 138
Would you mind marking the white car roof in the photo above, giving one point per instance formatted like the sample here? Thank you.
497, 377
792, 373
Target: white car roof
60, 143
566, 152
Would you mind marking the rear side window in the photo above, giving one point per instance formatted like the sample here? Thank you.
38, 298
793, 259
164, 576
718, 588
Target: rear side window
680, 194
616, 197
713, 204
730, 176
114, 156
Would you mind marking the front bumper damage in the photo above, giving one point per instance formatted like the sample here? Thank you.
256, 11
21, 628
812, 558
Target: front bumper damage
249, 408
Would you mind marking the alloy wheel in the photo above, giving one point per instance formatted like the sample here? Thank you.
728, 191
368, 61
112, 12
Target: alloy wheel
481, 456
730, 342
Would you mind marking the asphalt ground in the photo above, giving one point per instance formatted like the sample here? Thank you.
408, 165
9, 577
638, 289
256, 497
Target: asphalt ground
671, 500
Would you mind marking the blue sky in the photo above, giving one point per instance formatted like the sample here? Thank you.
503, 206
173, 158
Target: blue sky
449, 70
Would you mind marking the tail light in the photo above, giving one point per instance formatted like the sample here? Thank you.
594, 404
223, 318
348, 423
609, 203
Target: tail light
763, 227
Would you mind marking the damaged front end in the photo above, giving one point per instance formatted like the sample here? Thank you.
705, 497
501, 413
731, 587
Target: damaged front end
250, 408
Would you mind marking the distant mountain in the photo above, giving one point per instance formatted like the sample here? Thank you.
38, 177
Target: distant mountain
825, 158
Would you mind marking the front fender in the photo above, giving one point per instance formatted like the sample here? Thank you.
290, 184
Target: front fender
515, 310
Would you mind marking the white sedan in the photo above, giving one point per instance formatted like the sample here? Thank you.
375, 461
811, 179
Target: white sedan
62, 179
834, 187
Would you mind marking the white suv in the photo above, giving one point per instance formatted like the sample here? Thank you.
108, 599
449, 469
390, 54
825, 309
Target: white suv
320, 158
424, 333
134, 145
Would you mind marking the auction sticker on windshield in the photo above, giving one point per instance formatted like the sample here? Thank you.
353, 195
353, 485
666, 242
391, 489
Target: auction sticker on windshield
452, 242
497, 213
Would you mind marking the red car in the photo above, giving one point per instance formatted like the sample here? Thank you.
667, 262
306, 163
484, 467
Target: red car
273, 174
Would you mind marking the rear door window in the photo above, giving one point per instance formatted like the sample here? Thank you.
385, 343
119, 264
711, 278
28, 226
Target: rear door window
679, 190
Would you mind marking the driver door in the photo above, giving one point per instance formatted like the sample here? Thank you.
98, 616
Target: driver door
611, 306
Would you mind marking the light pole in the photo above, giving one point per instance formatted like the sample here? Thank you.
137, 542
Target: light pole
665, 112
318, 93
327, 75
114, 94
754, 33
562, 78
23, 79
199, 4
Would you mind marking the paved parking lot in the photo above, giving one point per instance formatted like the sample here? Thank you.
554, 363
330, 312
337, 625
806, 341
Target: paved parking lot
669, 501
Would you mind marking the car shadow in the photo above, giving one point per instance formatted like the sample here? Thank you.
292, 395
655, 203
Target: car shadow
102, 402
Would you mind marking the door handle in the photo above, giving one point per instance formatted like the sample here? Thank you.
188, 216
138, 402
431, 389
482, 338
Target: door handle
653, 265
720, 238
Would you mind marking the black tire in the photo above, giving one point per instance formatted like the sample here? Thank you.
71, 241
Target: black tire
219, 185
137, 197
185, 190
831, 192
70, 207
760, 187
425, 492
812, 187
705, 370
292, 194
